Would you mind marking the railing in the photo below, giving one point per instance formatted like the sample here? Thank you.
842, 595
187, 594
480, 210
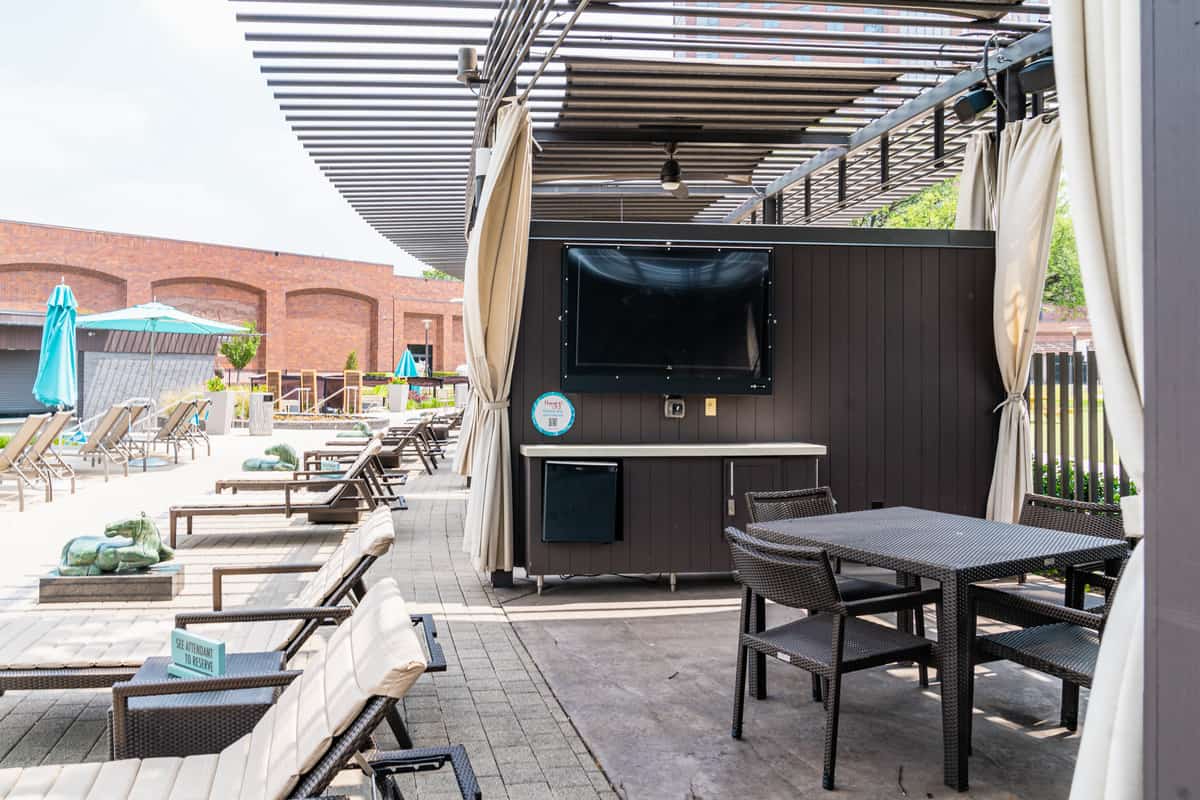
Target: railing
1073, 454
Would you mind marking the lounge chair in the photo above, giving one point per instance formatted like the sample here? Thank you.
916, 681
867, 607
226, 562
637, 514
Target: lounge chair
53, 651
320, 724
396, 443
173, 433
337, 503
12, 457
42, 457
380, 481
102, 444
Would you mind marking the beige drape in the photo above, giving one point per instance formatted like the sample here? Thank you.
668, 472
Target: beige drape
1028, 162
977, 185
493, 293
1097, 55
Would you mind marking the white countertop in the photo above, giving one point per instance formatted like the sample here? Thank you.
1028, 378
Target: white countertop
678, 450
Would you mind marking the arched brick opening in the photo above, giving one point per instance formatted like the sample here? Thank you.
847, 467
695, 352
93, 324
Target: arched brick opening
25, 287
215, 298
324, 325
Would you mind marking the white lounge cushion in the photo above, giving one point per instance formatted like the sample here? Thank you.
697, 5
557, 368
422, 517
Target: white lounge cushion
375, 652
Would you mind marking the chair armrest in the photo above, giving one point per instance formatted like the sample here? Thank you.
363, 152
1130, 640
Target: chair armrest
385, 763
1052, 612
892, 602
333, 614
219, 573
437, 658
121, 692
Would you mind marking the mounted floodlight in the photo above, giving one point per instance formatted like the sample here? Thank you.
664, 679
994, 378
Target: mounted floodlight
669, 175
973, 103
468, 66
1038, 75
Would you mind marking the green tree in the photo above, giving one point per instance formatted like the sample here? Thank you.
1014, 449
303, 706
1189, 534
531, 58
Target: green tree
240, 350
431, 274
1064, 286
932, 207
936, 206
351, 361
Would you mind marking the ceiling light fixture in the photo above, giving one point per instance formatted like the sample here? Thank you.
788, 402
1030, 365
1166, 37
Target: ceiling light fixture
669, 175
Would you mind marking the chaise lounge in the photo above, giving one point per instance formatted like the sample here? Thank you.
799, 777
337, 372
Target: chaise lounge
338, 503
319, 726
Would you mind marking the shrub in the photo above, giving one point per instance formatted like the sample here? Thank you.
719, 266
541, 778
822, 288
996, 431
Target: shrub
351, 361
4, 440
215, 384
1061, 482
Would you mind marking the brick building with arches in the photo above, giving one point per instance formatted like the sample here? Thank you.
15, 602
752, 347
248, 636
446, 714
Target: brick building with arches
314, 310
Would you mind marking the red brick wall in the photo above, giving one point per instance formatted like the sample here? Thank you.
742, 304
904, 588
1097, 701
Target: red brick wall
313, 310
25, 287
323, 327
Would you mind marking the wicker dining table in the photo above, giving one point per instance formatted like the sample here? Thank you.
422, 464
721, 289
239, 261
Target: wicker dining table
955, 551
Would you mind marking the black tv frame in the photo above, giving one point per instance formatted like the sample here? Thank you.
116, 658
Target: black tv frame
664, 384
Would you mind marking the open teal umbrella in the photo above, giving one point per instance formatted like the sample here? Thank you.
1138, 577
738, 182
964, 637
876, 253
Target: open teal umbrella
156, 318
407, 368
56, 384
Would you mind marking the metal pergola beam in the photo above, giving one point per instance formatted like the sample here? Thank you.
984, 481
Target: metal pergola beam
1030, 46
681, 134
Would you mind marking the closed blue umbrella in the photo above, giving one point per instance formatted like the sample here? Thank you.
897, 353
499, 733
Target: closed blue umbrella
56, 383
407, 368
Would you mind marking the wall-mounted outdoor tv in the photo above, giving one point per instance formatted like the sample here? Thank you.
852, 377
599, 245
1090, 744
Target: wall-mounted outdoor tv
666, 319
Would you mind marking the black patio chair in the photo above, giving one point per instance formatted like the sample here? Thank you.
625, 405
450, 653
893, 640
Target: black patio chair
829, 644
1072, 516
1064, 643
796, 503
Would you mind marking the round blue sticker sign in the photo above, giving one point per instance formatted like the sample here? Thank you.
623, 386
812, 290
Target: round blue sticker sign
553, 414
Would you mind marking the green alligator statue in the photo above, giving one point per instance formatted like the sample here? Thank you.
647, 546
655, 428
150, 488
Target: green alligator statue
278, 458
130, 545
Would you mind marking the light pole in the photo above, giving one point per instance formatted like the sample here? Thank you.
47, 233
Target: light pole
428, 354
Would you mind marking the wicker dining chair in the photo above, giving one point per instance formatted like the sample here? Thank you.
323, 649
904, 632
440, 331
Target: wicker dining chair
829, 644
796, 503
1064, 645
1072, 516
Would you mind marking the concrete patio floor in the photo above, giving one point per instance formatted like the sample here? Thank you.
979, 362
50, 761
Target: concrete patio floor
599, 683
647, 677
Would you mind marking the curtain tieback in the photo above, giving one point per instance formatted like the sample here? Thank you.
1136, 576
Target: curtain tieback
498, 405
1014, 398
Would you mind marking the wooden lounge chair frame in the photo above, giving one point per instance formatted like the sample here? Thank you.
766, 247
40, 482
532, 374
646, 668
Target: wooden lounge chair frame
349, 588
338, 508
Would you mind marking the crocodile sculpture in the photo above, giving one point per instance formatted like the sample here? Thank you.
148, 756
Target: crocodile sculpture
277, 458
130, 545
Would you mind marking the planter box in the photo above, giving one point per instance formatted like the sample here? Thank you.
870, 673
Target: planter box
220, 413
397, 396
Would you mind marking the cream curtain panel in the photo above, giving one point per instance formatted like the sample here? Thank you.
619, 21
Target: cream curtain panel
1022, 189
977, 185
493, 293
1097, 54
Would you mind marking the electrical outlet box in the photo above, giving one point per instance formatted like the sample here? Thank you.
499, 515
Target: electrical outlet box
710, 406
674, 408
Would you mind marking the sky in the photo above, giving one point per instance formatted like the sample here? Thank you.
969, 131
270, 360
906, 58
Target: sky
150, 117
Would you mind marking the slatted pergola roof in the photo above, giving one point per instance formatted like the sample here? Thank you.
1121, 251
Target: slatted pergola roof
820, 116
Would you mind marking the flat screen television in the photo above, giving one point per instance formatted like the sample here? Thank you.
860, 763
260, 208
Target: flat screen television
666, 319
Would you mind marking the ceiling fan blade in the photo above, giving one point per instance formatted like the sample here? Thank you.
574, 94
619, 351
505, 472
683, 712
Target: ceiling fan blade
681, 193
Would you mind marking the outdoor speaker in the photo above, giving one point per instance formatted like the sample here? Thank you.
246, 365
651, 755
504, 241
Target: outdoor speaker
973, 103
1038, 75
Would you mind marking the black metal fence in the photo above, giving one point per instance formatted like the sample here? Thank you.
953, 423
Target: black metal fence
1073, 455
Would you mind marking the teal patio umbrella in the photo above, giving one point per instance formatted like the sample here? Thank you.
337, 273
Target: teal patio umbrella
56, 383
407, 368
156, 318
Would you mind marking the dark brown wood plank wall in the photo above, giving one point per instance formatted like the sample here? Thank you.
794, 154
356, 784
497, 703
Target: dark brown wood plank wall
883, 352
